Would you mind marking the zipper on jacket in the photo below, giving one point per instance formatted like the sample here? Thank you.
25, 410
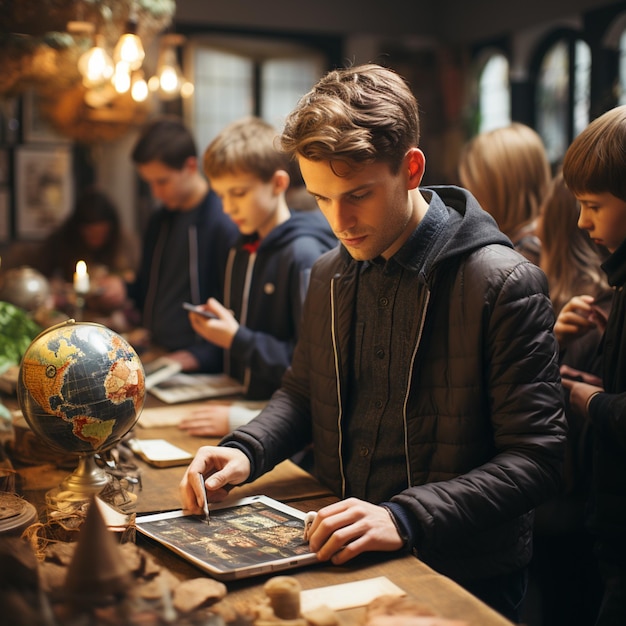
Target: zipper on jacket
228, 279
333, 331
245, 300
418, 340
155, 267
194, 278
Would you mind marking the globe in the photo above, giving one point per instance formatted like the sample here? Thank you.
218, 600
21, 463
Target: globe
25, 287
81, 388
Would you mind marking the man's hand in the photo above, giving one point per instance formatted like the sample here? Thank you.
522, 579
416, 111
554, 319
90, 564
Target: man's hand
221, 467
344, 529
220, 330
209, 420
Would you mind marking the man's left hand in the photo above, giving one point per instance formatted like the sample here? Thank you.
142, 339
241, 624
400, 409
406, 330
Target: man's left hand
344, 529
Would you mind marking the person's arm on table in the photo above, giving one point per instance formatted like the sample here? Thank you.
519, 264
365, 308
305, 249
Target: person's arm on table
215, 419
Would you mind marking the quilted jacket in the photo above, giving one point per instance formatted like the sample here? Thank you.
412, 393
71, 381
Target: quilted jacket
483, 420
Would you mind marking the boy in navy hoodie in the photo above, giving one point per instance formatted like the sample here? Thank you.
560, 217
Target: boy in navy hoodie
267, 269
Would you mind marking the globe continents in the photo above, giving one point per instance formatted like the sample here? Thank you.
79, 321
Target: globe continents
81, 387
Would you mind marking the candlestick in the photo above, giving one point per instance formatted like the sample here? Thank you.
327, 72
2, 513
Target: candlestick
81, 278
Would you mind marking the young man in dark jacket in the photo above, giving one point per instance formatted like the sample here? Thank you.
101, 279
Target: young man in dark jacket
426, 371
184, 247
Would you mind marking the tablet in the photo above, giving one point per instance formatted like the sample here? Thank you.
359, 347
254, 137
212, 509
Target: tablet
248, 537
189, 387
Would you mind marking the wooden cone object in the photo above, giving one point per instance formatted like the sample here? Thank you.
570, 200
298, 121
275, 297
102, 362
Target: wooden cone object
98, 567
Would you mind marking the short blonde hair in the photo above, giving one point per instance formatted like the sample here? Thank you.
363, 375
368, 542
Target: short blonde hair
246, 145
508, 171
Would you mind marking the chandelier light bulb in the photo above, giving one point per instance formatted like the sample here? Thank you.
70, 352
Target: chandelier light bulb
121, 77
129, 49
169, 79
95, 65
186, 91
139, 89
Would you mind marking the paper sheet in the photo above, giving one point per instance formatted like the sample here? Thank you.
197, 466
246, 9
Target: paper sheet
349, 595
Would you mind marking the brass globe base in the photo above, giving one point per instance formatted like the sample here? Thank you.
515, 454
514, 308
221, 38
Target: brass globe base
84, 482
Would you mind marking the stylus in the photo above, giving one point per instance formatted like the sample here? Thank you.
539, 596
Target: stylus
205, 502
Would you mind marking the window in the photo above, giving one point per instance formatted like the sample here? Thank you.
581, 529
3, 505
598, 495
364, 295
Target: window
563, 94
247, 77
494, 95
622, 68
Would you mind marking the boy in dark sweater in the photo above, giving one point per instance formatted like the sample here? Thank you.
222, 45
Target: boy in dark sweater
267, 269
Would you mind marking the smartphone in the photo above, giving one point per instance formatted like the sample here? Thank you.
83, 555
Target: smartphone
196, 309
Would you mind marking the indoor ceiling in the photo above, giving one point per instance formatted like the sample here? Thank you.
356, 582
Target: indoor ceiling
448, 20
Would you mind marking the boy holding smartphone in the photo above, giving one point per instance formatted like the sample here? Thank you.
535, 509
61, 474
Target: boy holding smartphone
267, 269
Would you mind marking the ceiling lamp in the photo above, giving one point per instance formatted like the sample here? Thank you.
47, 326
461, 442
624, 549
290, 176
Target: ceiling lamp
139, 87
121, 77
95, 65
129, 48
169, 81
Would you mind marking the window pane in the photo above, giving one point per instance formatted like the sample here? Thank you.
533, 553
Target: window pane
582, 86
622, 68
553, 101
223, 92
494, 98
283, 82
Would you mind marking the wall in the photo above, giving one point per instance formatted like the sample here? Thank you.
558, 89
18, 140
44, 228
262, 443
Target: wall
454, 21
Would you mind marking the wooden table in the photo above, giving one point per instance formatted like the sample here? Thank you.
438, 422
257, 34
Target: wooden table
288, 483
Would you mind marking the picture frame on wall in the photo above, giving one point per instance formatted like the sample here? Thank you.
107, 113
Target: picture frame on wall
35, 128
4, 166
5, 215
44, 189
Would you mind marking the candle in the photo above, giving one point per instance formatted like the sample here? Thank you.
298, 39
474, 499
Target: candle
81, 278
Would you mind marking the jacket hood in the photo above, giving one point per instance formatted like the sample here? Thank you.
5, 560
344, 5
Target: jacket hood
461, 225
301, 223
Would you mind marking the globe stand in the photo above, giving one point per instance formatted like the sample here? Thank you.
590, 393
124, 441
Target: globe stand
85, 481
79, 307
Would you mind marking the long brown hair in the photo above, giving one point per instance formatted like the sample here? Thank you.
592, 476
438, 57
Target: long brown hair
569, 258
508, 171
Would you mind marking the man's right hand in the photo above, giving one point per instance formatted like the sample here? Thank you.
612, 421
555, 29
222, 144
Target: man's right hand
221, 467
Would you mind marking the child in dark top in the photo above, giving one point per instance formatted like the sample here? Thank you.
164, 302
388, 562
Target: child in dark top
593, 169
267, 269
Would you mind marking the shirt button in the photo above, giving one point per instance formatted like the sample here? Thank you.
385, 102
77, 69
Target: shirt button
380, 353
383, 302
364, 451
378, 404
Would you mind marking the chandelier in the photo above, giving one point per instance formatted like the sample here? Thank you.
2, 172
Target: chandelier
87, 61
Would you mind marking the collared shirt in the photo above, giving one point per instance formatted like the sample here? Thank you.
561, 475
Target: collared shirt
384, 338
